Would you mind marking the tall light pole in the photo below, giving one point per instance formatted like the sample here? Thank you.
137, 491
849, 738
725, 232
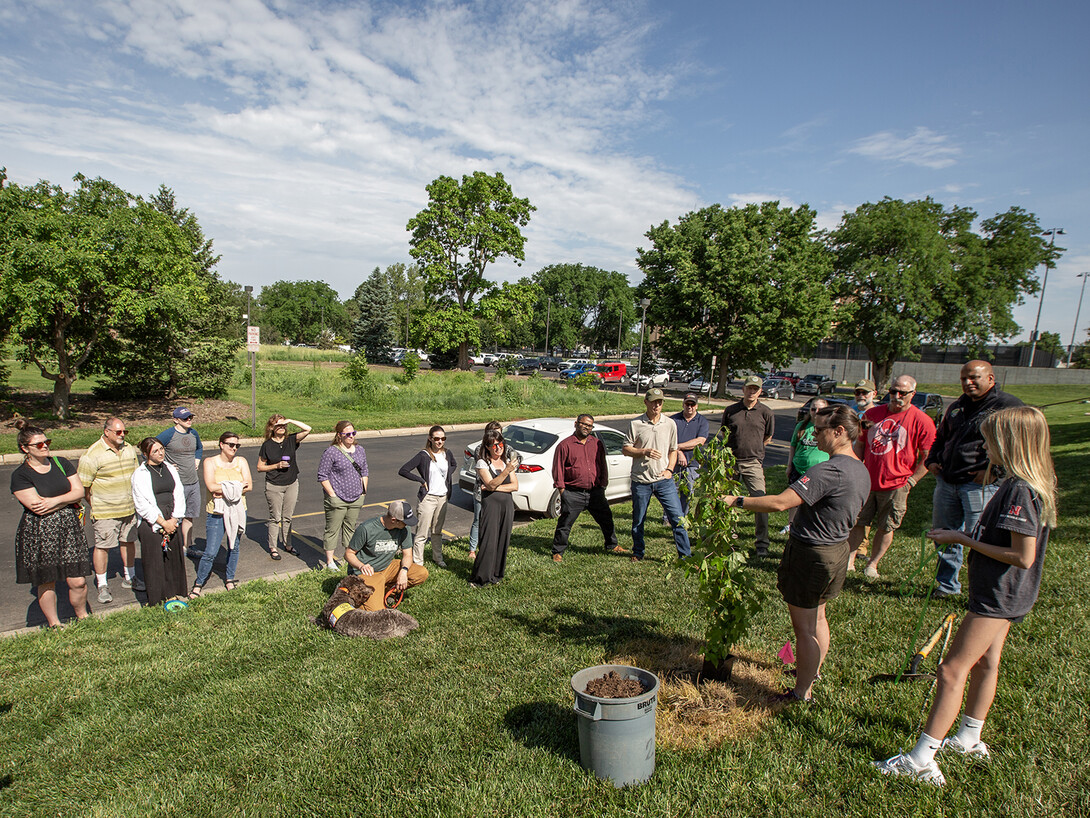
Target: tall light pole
644, 302
548, 318
1078, 309
620, 322
1052, 231
253, 362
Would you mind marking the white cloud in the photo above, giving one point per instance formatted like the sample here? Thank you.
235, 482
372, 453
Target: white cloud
923, 147
303, 140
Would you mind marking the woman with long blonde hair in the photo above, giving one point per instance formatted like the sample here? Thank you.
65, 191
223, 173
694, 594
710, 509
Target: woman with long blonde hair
1008, 550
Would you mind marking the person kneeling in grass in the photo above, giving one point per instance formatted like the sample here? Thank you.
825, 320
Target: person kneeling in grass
1008, 548
815, 560
371, 553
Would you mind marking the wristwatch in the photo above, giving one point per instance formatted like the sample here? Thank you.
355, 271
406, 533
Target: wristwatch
738, 502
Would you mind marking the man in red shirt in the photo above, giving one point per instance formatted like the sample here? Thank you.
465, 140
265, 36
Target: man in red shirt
580, 473
894, 450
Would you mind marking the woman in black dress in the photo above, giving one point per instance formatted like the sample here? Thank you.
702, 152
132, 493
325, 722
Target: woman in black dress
49, 542
495, 470
160, 503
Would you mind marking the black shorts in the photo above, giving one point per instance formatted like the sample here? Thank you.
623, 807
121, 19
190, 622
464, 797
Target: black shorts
810, 575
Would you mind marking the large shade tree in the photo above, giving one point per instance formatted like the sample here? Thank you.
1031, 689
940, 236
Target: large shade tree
582, 305
374, 329
745, 284
308, 312
466, 226
78, 268
908, 272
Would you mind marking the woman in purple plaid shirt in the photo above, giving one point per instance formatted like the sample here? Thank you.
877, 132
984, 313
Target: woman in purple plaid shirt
342, 472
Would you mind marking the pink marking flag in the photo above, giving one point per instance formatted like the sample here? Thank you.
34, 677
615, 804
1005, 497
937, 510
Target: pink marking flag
786, 653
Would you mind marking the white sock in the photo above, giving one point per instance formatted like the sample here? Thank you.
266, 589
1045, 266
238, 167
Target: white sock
100, 580
130, 571
924, 751
968, 734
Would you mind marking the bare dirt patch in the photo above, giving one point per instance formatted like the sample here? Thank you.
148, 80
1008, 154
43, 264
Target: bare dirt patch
89, 412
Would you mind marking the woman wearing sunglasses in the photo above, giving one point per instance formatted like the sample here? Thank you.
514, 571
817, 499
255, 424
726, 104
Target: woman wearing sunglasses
495, 470
49, 542
227, 478
433, 468
342, 471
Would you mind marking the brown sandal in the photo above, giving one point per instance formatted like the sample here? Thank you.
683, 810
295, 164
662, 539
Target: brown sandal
230, 584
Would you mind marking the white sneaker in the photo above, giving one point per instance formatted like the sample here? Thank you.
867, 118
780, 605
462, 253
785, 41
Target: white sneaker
978, 752
332, 566
902, 765
870, 572
786, 529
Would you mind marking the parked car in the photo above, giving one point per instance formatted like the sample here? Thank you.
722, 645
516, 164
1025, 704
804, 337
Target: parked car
576, 371
568, 364
656, 377
804, 410
527, 365
476, 360
551, 363
488, 359
612, 372
536, 441
930, 403
701, 386
778, 389
816, 385
787, 375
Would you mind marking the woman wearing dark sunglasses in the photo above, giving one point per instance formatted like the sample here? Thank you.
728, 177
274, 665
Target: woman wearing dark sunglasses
495, 470
433, 468
342, 471
49, 542
227, 478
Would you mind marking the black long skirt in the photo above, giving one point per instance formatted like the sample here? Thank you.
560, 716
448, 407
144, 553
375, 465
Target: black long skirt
164, 571
497, 518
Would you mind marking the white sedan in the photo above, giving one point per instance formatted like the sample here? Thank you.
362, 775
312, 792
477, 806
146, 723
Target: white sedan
536, 441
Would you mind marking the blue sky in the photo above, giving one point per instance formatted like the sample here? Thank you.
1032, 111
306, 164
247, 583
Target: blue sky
302, 134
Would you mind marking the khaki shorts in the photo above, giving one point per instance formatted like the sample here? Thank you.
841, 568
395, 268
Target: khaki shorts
110, 533
885, 509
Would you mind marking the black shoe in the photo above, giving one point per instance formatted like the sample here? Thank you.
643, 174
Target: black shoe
761, 550
938, 593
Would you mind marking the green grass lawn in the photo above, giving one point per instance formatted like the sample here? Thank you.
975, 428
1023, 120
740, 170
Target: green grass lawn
315, 392
240, 706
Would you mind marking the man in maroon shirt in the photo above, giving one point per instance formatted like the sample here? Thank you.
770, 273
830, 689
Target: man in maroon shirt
579, 472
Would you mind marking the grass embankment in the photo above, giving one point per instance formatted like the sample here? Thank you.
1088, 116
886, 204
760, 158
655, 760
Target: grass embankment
316, 393
241, 707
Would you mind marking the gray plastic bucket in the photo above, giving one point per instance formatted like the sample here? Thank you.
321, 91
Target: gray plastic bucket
617, 736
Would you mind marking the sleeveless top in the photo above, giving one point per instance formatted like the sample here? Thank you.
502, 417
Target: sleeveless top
221, 474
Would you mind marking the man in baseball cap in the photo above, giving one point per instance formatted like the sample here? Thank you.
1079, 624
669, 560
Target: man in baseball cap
184, 451
864, 396
748, 425
652, 445
373, 547
692, 433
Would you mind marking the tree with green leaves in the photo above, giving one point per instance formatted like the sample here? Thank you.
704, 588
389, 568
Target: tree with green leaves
466, 226
307, 312
373, 332
185, 341
78, 268
582, 305
507, 312
746, 284
913, 271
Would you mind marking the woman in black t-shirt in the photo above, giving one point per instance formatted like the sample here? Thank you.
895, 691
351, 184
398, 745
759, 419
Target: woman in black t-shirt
49, 542
277, 462
1008, 550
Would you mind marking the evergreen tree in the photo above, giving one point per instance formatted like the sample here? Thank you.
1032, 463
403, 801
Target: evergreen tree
374, 333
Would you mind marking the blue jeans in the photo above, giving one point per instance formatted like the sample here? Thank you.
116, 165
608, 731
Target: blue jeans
957, 507
475, 528
213, 537
666, 492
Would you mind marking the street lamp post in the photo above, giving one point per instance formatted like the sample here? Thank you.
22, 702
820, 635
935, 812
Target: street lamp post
548, 318
253, 362
1075, 329
1052, 231
644, 302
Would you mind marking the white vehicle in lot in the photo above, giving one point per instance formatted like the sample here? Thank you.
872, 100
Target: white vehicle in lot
657, 377
536, 441
701, 386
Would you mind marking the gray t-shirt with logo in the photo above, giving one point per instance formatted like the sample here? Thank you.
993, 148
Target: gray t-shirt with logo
832, 495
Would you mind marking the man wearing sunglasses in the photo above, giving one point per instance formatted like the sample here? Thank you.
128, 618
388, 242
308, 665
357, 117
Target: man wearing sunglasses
894, 449
105, 470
